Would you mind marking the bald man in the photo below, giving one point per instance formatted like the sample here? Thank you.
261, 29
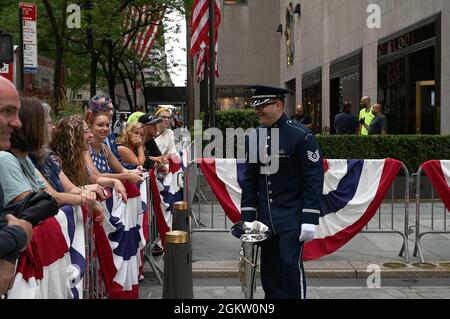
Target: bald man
9, 112
301, 117
15, 234
365, 115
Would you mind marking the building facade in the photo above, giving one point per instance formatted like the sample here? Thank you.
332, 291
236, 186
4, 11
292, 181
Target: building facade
395, 51
249, 50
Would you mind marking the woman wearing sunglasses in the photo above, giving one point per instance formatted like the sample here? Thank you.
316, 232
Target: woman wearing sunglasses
165, 138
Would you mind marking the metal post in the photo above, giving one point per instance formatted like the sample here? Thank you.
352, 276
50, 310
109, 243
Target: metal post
20, 72
418, 248
180, 215
178, 267
212, 64
204, 98
152, 236
405, 169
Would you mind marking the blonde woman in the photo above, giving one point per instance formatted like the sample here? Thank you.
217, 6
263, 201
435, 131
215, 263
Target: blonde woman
130, 145
165, 138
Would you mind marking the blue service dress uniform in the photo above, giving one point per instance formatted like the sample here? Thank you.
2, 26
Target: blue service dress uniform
283, 200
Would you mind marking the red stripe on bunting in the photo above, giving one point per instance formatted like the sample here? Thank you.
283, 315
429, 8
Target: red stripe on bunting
105, 256
208, 167
435, 174
107, 268
160, 220
47, 246
325, 246
326, 166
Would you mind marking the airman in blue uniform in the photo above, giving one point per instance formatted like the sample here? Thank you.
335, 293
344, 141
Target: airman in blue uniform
286, 199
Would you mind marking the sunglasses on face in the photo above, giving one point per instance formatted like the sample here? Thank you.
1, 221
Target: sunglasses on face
165, 117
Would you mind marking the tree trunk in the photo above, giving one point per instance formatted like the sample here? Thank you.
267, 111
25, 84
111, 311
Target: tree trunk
57, 79
130, 75
111, 74
143, 92
93, 75
59, 36
125, 87
93, 54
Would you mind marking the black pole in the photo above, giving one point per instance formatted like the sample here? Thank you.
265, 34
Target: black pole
20, 72
204, 98
212, 65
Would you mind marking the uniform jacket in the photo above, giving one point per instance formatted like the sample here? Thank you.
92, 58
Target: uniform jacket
291, 196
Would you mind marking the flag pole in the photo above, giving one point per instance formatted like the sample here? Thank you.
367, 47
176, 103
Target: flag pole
20, 73
204, 98
212, 65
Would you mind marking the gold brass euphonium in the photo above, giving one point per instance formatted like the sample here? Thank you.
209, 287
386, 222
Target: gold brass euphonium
251, 235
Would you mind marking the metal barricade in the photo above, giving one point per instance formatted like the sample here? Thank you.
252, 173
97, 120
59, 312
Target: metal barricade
93, 284
437, 223
194, 191
387, 219
153, 235
387, 211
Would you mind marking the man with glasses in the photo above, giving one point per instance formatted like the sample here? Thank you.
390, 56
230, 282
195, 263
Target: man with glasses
286, 200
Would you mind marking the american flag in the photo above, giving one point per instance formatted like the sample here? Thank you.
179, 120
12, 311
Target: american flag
200, 34
142, 40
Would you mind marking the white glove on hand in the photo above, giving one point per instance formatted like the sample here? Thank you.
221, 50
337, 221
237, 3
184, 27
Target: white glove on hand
308, 233
247, 227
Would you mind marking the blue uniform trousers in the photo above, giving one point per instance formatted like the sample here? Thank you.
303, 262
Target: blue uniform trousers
282, 273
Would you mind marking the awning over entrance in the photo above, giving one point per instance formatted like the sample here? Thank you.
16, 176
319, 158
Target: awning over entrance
166, 95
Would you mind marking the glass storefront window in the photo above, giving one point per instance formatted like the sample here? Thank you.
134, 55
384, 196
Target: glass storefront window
407, 92
392, 96
233, 97
232, 103
312, 105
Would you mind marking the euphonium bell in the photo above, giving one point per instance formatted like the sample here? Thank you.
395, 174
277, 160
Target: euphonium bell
250, 234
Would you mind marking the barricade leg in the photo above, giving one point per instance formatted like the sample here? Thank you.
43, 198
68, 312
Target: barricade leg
404, 232
417, 246
153, 236
437, 226
94, 284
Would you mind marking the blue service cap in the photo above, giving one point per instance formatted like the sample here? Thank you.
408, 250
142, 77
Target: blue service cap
263, 94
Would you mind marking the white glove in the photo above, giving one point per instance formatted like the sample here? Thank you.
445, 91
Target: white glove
308, 233
247, 227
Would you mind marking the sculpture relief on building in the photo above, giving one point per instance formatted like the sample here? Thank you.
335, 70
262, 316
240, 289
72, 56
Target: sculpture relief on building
289, 35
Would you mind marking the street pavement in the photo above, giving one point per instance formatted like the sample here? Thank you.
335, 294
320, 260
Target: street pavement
229, 288
341, 275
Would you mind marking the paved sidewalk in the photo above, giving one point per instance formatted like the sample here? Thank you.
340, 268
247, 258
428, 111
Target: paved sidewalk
317, 289
216, 255
364, 247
